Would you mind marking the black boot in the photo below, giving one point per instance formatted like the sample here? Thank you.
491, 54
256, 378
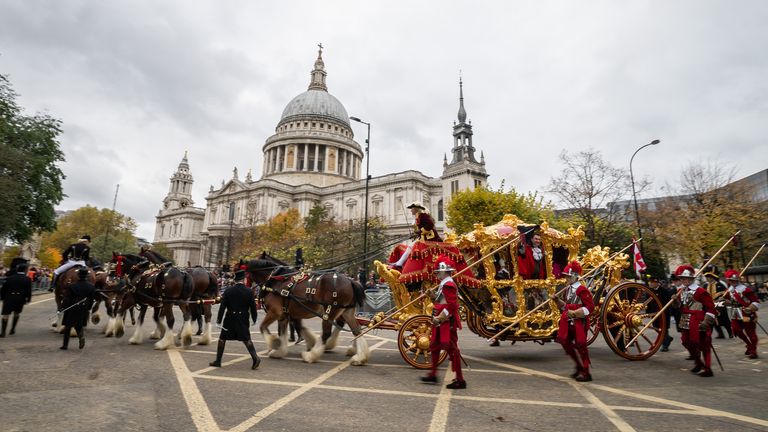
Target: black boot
81, 336
254, 356
15, 321
53, 283
199, 326
5, 325
65, 344
219, 354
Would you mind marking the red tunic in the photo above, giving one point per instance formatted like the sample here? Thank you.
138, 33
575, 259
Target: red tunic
744, 299
527, 265
448, 300
581, 298
696, 304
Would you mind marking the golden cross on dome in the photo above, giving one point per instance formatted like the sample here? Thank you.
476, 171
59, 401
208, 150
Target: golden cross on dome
321, 47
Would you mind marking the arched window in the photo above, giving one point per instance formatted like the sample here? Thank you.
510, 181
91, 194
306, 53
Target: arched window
440, 210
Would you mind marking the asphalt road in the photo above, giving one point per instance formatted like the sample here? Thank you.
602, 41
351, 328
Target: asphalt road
112, 385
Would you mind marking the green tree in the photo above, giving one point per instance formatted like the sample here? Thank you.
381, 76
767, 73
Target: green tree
30, 179
9, 254
109, 231
488, 207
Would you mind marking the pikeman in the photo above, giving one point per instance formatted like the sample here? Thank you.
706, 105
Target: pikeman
424, 230
447, 322
574, 321
742, 305
238, 302
697, 317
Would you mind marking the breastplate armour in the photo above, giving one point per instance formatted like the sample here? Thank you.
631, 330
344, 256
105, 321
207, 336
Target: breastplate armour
572, 298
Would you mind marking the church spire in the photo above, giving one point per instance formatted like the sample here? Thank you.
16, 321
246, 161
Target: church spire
462, 112
318, 74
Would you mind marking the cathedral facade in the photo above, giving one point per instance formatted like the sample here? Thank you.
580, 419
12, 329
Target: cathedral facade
312, 159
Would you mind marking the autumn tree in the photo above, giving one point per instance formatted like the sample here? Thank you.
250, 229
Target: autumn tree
324, 241
488, 207
30, 179
109, 231
587, 188
706, 210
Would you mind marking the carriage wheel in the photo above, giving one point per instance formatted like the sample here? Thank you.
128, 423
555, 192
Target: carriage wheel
627, 309
413, 341
594, 328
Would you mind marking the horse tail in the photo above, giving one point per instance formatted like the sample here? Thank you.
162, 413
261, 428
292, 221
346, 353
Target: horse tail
213, 285
188, 284
359, 292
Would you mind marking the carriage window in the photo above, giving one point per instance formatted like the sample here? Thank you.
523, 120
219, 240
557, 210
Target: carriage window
559, 260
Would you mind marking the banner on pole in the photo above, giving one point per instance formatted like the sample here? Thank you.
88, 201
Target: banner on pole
640, 266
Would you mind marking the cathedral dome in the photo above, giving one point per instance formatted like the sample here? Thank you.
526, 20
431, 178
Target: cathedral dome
316, 103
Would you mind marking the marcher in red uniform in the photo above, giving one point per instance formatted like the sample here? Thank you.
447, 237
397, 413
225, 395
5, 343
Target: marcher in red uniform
424, 231
697, 317
742, 305
574, 321
530, 259
447, 322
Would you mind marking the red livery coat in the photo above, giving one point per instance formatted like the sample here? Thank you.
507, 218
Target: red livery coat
526, 264
696, 313
446, 333
576, 328
425, 226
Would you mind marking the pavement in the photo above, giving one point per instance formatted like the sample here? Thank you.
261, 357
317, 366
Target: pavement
112, 385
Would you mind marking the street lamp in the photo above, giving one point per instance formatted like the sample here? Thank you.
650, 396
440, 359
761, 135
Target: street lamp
634, 195
367, 180
231, 222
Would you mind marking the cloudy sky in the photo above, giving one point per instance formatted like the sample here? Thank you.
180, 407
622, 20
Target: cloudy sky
138, 83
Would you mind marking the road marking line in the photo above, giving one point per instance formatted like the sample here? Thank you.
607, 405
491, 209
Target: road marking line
699, 409
198, 409
442, 406
266, 412
40, 301
603, 408
597, 403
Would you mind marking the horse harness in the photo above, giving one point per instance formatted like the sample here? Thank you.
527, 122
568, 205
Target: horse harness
311, 279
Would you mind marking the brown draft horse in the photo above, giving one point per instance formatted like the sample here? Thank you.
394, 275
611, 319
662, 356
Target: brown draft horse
62, 289
205, 287
287, 295
160, 288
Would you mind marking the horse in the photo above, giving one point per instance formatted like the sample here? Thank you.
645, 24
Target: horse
161, 288
290, 295
107, 287
206, 287
61, 290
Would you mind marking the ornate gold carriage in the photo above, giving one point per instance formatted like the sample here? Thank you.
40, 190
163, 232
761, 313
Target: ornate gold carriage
499, 296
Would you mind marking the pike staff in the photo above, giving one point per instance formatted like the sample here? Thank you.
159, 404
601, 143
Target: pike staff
424, 294
542, 304
742, 274
674, 297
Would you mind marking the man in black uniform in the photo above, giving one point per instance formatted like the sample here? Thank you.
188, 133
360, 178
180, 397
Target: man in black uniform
77, 303
237, 301
76, 254
16, 291
665, 295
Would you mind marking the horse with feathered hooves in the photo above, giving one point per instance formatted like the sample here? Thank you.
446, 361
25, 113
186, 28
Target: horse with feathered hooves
290, 295
160, 288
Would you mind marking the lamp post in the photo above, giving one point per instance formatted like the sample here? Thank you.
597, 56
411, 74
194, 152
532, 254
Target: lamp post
367, 181
231, 222
634, 195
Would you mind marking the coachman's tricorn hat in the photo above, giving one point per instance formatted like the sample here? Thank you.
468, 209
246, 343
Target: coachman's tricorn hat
85, 237
417, 204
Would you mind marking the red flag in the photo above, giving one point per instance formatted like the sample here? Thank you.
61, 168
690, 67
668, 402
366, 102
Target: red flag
640, 266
